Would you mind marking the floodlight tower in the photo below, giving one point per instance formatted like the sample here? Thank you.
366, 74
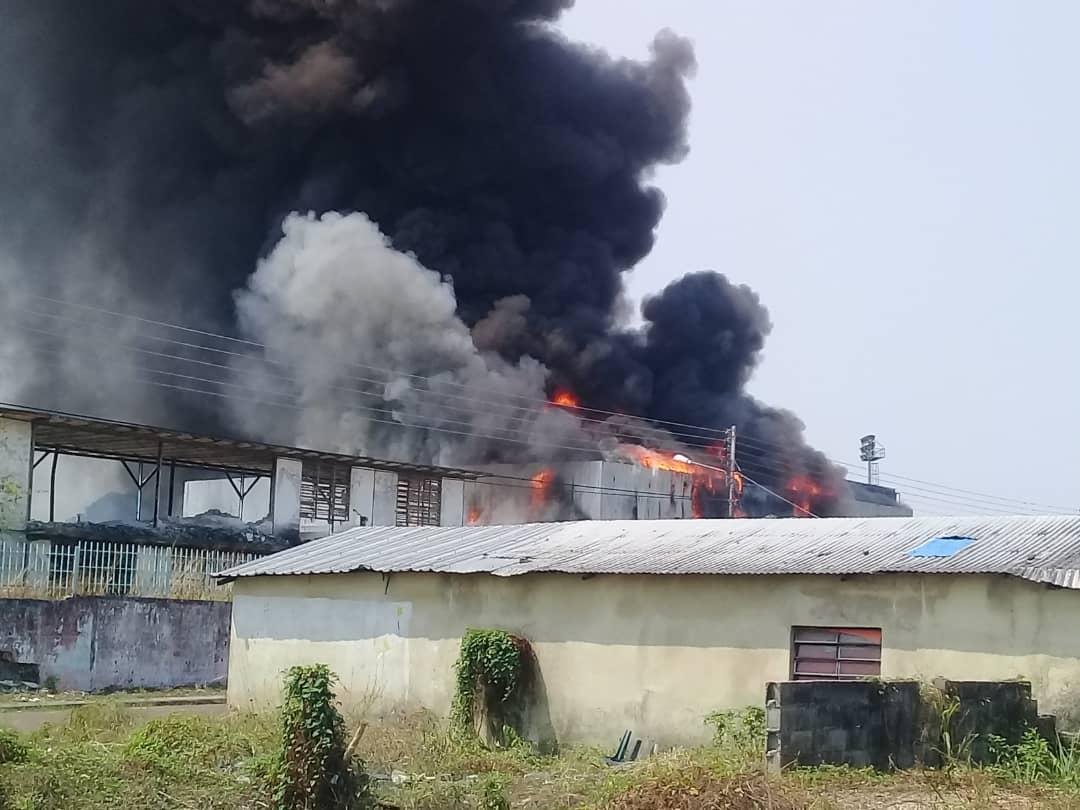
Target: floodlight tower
871, 451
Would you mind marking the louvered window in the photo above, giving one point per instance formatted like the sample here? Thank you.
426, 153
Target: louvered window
324, 493
835, 654
419, 501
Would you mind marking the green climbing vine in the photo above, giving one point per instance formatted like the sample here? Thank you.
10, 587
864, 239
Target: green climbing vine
10, 493
314, 771
489, 667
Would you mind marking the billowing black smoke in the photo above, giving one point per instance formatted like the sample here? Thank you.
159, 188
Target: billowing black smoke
152, 152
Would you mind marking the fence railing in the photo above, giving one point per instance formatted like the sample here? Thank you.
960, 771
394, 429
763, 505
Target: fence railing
45, 569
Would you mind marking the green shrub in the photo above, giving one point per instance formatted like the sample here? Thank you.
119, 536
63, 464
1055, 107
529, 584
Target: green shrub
494, 793
490, 668
12, 748
1034, 760
742, 731
312, 772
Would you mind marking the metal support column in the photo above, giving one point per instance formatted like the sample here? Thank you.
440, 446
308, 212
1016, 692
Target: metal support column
242, 491
172, 483
140, 484
52, 487
157, 481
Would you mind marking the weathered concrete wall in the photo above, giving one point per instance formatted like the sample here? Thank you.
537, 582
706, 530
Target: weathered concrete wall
97, 643
651, 653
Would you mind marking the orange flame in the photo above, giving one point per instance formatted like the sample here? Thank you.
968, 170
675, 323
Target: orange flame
476, 514
802, 490
658, 460
565, 399
542, 483
707, 480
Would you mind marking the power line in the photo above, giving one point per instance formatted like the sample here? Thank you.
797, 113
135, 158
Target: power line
760, 444
802, 509
719, 432
504, 434
401, 423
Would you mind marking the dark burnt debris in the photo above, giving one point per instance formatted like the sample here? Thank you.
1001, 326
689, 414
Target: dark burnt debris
211, 530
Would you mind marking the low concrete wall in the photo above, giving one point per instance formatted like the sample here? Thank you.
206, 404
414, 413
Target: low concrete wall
857, 723
889, 725
96, 643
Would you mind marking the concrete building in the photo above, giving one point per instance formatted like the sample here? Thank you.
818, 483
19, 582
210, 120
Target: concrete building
190, 505
873, 500
281, 493
651, 625
584, 490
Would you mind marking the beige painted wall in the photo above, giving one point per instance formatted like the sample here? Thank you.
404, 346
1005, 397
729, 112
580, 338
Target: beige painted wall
650, 653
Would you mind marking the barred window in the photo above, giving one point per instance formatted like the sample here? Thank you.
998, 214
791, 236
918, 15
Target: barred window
324, 493
419, 501
835, 654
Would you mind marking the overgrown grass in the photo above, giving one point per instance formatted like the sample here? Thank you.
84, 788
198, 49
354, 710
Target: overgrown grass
103, 759
99, 760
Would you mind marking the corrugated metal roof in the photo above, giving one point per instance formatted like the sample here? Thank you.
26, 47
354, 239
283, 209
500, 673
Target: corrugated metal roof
1042, 549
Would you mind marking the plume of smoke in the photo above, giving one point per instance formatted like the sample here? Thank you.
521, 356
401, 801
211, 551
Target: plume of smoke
366, 346
150, 155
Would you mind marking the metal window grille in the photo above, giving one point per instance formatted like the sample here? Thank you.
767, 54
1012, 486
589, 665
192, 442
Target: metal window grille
45, 570
835, 654
419, 501
324, 493
103, 568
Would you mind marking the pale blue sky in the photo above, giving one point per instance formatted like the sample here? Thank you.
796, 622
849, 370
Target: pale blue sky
900, 181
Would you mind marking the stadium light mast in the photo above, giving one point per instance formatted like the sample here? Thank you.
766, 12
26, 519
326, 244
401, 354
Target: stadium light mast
871, 451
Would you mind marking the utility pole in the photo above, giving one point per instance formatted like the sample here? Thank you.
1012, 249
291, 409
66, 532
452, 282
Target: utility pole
731, 472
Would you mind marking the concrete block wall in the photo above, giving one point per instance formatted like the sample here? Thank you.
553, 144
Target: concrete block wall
856, 723
987, 709
894, 724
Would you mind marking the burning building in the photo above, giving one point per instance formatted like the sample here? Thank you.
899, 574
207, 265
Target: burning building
389, 230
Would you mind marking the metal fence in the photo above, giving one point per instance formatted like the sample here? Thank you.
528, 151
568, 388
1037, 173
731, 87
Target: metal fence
44, 569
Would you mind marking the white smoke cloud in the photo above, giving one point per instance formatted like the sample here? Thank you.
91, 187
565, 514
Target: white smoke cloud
363, 346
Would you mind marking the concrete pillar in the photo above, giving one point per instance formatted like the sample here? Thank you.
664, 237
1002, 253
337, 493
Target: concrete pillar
285, 498
361, 496
384, 506
452, 508
16, 462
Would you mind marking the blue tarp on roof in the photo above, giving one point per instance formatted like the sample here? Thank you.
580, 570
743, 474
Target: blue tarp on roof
942, 547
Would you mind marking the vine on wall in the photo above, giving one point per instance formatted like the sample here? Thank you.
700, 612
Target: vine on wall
491, 679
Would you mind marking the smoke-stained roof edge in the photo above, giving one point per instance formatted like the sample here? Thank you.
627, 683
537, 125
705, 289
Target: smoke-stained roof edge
79, 435
1045, 550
